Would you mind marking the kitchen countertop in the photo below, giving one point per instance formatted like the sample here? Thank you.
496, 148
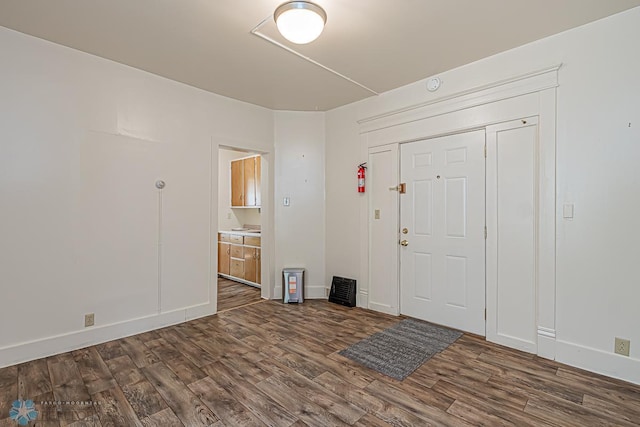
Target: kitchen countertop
241, 233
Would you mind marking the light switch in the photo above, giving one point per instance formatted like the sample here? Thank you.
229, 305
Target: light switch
376, 214
286, 202
567, 211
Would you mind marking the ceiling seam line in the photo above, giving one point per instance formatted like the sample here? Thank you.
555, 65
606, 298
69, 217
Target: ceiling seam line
255, 32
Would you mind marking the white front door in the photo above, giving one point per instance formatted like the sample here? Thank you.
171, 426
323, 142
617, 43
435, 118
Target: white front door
442, 223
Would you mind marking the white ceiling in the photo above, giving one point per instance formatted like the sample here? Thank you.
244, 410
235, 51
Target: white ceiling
381, 44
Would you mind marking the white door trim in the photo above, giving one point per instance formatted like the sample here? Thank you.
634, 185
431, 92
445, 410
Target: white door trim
523, 96
533, 82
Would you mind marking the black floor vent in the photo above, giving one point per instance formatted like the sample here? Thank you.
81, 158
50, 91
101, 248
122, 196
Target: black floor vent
343, 291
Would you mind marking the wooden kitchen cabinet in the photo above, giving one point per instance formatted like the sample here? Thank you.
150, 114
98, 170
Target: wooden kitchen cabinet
249, 181
258, 174
237, 251
237, 268
252, 271
224, 258
252, 241
258, 266
224, 253
239, 258
250, 264
245, 182
237, 183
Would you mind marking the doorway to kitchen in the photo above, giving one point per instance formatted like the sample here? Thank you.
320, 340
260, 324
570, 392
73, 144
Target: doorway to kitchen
239, 228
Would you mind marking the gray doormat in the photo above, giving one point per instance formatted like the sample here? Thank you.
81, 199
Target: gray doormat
402, 348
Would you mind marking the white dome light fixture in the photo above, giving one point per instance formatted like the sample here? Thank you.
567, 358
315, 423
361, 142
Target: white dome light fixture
300, 22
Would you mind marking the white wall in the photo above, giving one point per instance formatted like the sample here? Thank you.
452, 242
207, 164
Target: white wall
343, 200
231, 218
598, 128
300, 175
66, 116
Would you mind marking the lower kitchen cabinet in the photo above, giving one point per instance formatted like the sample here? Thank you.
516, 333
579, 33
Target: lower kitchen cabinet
239, 258
252, 264
237, 268
224, 258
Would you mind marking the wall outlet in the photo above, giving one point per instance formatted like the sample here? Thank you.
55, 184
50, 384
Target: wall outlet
89, 320
622, 346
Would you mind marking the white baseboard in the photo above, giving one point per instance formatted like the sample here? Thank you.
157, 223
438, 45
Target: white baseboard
362, 300
239, 280
601, 362
203, 310
384, 309
513, 342
547, 343
310, 292
315, 292
36, 349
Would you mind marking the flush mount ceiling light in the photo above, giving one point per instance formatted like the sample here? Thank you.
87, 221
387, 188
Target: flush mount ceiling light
300, 22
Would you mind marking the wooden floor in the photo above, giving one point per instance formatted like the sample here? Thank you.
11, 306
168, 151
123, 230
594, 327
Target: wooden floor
274, 364
233, 294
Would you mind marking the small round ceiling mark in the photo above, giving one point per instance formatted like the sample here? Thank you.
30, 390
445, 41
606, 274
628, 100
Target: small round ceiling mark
433, 84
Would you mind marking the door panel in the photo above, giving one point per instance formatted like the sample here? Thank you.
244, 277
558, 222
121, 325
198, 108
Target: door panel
250, 264
258, 181
117, 230
423, 205
423, 275
258, 265
455, 198
237, 268
382, 174
511, 215
186, 244
456, 280
237, 183
249, 181
442, 271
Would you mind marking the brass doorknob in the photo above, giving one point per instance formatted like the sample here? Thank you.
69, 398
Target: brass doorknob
404, 243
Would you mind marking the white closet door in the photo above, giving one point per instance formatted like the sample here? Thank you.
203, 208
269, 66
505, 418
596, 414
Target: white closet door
382, 174
512, 228
185, 233
117, 228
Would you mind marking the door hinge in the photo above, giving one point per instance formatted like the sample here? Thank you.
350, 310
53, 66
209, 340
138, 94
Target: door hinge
485, 314
485, 150
485, 232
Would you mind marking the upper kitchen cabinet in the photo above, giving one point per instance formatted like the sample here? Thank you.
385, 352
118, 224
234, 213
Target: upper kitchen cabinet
245, 182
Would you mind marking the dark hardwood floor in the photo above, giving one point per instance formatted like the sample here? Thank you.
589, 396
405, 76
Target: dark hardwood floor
233, 294
277, 365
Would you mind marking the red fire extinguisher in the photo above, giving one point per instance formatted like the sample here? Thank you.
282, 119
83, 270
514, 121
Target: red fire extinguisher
361, 169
